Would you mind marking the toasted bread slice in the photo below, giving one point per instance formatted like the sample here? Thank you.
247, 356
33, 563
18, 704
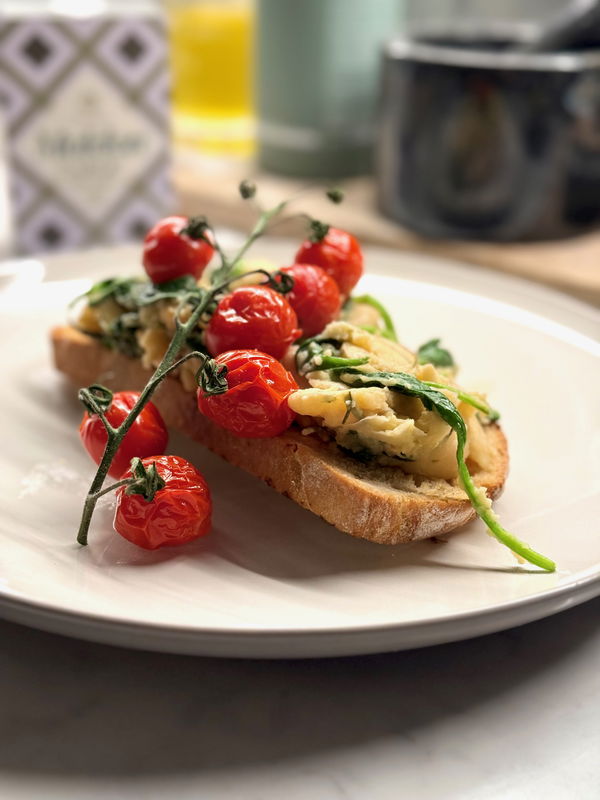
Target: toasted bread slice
381, 504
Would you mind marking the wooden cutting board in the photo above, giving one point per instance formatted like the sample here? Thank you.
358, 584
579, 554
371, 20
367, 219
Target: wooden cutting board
570, 265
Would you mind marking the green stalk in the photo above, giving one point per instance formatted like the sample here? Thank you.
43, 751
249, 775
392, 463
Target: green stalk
489, 518
261, 226
389, 331
470, 399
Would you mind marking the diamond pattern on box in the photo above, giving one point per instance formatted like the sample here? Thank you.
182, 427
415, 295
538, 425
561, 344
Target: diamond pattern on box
132, 51
160, 187
134, 222
50, 228
86, 28
86, 102
14, 101
23, 193
156, 97
88, 161
36, 52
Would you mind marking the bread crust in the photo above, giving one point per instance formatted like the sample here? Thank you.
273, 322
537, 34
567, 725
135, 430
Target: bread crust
380, 504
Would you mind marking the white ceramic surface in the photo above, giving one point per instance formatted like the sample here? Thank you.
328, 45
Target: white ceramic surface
272, 580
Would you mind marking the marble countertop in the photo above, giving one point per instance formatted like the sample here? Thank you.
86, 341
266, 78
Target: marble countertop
512, 715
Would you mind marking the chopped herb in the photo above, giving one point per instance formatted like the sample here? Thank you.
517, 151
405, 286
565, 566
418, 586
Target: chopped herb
319, 354
432, 353
335, 194
122, 334
349, 403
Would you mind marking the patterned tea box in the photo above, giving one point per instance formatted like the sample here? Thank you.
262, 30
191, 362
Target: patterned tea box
86, 115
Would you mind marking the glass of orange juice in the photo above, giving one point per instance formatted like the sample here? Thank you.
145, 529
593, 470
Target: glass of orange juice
212, 63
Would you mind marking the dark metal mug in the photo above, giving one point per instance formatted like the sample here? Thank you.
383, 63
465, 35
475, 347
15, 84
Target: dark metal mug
476, 141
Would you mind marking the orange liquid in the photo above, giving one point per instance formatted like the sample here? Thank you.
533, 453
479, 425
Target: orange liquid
212, 59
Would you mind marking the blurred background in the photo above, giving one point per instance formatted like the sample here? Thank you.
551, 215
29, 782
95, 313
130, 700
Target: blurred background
460, 127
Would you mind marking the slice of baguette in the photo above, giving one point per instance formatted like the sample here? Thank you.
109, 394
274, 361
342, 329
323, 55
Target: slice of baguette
380, 504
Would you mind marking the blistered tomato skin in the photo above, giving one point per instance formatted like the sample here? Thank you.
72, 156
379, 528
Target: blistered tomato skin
147, 436
169, 254
252, 317
339, 254
179, 513
315, 297
255, 405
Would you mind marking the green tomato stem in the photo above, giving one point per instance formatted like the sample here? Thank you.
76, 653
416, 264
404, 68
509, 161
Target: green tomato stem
113, 486
389, 331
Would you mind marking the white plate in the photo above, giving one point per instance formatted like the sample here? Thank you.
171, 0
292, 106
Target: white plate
272, 580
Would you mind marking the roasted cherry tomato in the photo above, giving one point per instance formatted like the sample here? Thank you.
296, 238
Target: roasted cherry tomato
315, 297
339, 254
179, 512
168, 253
255, 405
252, 316
147, 436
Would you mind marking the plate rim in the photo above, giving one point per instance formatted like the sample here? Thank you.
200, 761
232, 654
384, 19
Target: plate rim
296, 642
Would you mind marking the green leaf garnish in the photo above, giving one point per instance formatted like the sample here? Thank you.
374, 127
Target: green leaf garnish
432, 353
122, 290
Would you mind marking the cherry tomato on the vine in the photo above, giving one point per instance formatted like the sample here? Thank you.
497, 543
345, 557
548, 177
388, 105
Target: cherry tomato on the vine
315, 297
255, 317
147, 436
179, 512
169, 253
255, 405
339, 254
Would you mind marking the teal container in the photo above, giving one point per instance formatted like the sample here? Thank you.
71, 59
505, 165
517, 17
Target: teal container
317, 75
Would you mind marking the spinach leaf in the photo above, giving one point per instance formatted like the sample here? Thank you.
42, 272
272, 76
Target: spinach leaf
434, 400
122, 335
122, 290
133, 293
432, 353
169, 290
